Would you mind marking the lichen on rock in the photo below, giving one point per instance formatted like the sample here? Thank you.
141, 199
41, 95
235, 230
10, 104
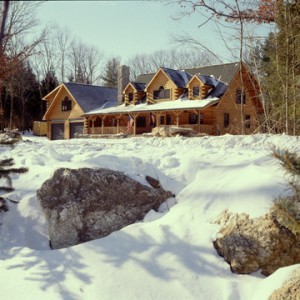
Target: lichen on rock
85, 204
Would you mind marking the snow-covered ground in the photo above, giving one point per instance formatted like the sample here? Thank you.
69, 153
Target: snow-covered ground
167, 256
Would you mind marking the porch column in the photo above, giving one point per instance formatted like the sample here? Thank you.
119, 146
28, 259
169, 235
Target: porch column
177, 113
158, 115
93, 119
199, 126
102, 123
118, 117
134, 115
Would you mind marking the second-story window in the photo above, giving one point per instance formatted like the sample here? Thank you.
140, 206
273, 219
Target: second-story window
130, 96
239, 97
66, 104
161, 93
196, 91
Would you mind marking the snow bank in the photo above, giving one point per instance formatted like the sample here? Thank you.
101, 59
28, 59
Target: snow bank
169, 255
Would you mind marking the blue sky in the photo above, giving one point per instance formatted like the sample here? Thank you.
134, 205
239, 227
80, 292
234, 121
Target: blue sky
126, 28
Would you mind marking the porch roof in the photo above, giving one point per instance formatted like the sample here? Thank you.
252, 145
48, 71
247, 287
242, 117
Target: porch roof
180, 104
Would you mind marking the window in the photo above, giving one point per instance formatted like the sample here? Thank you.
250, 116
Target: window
201, 119
169, 119
161, 93
66, 104
226, 120
247, 121
193, 119
162, 120
196, 91
239, 97
130, 96
141, 122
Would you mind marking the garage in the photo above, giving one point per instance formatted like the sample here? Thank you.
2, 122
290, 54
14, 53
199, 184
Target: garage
57, 131
76, 128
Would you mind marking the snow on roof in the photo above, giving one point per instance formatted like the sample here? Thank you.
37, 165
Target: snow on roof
166, 105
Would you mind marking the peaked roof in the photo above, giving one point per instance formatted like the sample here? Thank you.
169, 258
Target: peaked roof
223, 72
179, 77
138, 86
91, 97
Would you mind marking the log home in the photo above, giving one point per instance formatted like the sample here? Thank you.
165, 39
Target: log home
212, 100
67, 104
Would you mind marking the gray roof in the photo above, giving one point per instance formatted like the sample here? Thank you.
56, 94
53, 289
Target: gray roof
138, 86
91, 97
223, 72
179, 77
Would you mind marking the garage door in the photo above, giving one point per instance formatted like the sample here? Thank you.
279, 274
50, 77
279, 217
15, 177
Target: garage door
76, 128
57, 131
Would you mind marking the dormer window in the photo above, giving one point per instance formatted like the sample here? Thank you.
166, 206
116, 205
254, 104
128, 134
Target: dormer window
66, 104
161, 93
130, 96
196, 91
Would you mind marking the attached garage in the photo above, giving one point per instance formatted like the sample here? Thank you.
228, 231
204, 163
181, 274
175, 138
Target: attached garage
76, 128
57, 131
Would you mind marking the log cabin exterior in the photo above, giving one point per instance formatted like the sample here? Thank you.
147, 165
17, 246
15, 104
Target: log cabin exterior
67, 104
211, 100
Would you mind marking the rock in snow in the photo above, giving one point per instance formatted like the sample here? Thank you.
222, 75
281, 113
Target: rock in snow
85, 204
252, 244
290, 290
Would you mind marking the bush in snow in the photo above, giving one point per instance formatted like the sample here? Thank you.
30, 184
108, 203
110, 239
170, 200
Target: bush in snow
286, 210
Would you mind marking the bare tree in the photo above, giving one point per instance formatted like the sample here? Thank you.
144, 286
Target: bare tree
64, 40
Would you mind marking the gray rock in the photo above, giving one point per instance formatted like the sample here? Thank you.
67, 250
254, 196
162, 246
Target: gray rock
249, 245
86, 204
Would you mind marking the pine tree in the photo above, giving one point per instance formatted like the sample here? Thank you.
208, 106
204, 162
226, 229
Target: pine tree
110, 77
280, 69
5, 172
49, 83
286, 210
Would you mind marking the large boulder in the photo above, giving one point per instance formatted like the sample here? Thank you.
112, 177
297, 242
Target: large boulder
86, 204
249, 245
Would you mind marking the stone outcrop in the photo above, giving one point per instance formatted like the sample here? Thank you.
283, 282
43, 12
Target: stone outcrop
86, 204
249, 245
290, 290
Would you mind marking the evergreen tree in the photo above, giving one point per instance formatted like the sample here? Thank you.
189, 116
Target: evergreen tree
286, 210
279, 68
110, 77
49, 83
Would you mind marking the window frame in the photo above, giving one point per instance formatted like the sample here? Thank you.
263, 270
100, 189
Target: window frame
239, 98
196, 91
66, 104
161, 93
226, 120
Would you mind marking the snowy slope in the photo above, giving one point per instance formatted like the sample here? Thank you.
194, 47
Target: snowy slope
167, 256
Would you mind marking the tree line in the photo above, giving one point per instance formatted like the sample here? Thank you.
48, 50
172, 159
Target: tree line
32, 67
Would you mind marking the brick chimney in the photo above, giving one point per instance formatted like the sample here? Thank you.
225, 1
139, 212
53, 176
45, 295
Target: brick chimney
123, 80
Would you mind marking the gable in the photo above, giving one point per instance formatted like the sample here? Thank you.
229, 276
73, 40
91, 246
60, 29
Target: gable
54, 111
160, 79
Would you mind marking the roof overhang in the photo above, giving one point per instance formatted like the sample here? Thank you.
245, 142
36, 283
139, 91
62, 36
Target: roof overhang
180, 104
